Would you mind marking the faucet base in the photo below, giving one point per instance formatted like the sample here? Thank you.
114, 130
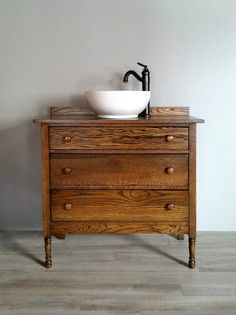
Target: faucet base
146, 112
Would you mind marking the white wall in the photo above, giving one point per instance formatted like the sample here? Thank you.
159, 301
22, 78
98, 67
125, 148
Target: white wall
53, 50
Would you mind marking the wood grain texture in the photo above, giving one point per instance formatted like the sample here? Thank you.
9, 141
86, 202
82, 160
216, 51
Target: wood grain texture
91, 120
117, 227
192, 182
71, 110
165, 110
82, 110
119, 205
162, 138
108, 171
45, 180
119, 176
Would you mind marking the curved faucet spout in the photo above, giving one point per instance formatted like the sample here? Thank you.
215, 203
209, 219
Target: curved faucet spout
145, 79
128, 73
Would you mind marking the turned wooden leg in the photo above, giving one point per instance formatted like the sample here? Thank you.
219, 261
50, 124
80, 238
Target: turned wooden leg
48, 258
60, 236
192, 261
180, 237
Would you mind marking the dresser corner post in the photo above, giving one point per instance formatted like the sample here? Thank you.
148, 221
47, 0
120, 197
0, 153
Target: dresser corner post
192, 195
46, 194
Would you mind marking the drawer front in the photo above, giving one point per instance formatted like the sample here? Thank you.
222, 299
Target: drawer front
119, 205
125, 138
116, 170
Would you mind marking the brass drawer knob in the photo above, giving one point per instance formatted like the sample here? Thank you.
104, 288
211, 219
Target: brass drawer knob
67, 139
169, 138
67, 170
169, 206
170, 170
67, 206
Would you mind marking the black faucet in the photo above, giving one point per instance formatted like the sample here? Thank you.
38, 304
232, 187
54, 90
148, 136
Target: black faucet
145, 79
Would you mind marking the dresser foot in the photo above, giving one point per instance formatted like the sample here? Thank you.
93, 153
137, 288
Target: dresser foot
192, 261
48, 258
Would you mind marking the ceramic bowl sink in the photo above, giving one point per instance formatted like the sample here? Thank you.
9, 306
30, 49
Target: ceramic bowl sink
118, 104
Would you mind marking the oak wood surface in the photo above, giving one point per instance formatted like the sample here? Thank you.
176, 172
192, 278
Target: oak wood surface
192, 183
82, 110
94, 227
119, 176
165, 138
106, 171
170, 110
119, 205
93, 120
45, 180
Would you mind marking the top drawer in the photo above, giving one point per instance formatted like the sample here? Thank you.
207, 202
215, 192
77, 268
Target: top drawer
125, 138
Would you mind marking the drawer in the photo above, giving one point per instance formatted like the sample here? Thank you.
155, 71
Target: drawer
119, 170
123, 138
119, 205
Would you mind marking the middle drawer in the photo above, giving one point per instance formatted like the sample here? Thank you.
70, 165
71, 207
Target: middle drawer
119, 170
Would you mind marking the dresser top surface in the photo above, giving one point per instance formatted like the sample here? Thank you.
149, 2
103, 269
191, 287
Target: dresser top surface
83, 117
94, 120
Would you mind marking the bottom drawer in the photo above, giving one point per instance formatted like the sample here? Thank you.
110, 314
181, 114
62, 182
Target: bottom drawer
119, 205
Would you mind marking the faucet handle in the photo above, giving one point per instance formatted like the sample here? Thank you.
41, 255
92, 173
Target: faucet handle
142, 65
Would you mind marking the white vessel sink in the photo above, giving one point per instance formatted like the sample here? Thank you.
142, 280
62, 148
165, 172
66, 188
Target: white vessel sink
118, 104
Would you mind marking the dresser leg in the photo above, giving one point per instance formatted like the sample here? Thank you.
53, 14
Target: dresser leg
48, 259
180, 237
192, 261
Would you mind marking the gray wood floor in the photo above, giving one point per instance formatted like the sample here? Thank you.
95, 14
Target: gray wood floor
117, 274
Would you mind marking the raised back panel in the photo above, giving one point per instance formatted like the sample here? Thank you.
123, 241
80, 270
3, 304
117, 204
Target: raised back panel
76, 110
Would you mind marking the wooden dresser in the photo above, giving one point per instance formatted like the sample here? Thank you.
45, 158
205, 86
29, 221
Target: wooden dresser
119, 176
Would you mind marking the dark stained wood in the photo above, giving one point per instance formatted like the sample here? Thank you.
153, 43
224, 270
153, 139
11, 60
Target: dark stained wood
192, 182
108, 171
119, 176
45, 179
127, 152
192, 261
93, 120
192, 195
48, 258
118, 227
162, 138
119, 205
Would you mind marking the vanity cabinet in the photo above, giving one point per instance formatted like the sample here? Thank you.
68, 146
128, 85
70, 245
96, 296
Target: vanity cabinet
119, 176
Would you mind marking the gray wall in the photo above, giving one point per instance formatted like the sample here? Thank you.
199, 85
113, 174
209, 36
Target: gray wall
54, 50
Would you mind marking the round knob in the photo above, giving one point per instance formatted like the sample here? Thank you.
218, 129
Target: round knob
169, 206
169, 138
67, 170
67, 139
67, 206
170, 170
